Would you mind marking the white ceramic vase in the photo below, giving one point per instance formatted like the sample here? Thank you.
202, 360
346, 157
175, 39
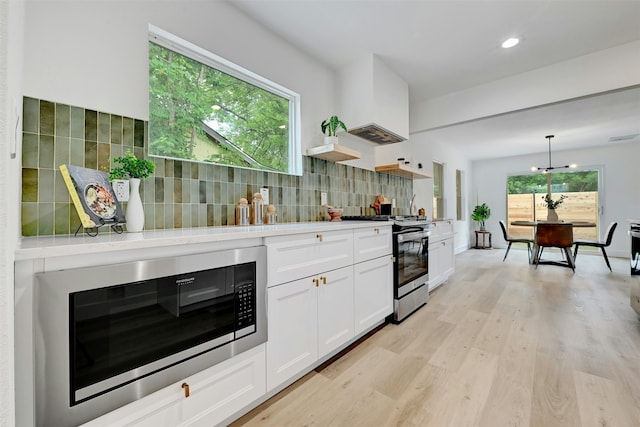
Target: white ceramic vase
330, 140
135, 210
552, 215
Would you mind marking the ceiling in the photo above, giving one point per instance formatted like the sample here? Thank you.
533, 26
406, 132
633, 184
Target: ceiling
440, 47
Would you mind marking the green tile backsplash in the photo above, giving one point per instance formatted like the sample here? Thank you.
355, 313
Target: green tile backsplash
179, 194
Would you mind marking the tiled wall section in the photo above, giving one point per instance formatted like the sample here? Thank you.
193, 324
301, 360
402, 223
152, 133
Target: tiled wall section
179, 194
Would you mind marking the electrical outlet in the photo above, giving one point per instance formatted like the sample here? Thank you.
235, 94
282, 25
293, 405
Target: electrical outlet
265, 195
323, 199
121, 188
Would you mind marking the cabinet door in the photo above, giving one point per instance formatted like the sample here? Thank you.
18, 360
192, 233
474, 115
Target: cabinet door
370, 243
447, 258
293, 339
335, 309
435, 265
373, 281
292, 257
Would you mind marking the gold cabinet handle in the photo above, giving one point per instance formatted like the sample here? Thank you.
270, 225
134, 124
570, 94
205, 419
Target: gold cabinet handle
319, 237
376, 230
185, 386
316, 282
443, 243
324, 280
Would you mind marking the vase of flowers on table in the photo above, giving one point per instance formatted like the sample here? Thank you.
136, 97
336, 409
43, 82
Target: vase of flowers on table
551, 205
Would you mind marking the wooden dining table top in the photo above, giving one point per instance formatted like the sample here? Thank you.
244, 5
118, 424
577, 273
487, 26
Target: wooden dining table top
535, 223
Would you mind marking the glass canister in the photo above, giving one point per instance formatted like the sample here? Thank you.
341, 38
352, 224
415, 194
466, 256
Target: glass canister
242, 212
257, 209
271, 217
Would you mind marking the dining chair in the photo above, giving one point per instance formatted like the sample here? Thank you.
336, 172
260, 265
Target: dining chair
555, 235
511, 240
598, 244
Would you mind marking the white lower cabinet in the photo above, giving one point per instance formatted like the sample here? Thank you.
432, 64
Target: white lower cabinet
214, 394
373, 292
308, 318
441, 253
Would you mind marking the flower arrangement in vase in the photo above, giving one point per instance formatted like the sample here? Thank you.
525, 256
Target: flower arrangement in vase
551, 205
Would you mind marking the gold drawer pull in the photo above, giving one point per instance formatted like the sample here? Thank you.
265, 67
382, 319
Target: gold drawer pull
443, 243
185, 386
377, 230
316, 282
324, 280
319, 237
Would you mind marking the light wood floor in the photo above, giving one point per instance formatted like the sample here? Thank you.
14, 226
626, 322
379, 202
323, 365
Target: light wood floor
500, 344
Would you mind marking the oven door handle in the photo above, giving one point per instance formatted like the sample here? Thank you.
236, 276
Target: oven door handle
412, 235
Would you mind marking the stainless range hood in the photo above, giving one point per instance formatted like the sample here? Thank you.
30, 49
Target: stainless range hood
377, 134
374, 101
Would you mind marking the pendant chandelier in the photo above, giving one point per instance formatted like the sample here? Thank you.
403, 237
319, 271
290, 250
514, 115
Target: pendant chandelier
550, 167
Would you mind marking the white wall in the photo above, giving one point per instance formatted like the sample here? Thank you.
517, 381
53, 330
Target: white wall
421, 149
11, 33
93, 54
620, 196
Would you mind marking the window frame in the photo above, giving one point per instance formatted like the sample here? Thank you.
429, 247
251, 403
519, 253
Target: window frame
176, 44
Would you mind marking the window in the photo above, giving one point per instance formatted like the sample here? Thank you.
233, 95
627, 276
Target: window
525, 193
459, 195
204, 108
438, 190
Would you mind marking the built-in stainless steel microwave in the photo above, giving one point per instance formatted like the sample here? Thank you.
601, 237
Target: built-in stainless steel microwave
110, 334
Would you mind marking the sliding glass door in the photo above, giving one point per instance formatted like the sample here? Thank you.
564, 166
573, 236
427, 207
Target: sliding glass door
525, 195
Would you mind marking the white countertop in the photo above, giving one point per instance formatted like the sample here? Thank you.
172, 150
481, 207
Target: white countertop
43, 247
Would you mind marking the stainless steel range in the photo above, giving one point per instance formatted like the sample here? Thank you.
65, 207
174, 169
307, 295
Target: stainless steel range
411, 261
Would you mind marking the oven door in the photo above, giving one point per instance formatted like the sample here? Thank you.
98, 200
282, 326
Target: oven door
411, 251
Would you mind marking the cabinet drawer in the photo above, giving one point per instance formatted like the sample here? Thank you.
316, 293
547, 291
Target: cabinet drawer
441, 228
370, 243
304, 255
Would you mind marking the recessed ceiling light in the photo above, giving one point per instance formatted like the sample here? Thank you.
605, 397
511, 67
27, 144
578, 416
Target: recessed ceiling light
511, 42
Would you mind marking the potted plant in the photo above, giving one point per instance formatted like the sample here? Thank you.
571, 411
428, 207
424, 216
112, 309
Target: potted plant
134, 169
329, 128
481, 213
551, 205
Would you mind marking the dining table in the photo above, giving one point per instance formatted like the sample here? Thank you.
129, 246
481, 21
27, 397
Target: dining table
536, 248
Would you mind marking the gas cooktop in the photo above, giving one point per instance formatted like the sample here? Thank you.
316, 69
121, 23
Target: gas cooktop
397, 219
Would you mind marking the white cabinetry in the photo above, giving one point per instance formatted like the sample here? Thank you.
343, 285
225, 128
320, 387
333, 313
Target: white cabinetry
373, 276
214, 394
441, 259
373, 292
308, 318
319, 300
292, 257
310, 300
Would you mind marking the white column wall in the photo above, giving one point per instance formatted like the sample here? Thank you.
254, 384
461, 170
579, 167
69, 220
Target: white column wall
11, 38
